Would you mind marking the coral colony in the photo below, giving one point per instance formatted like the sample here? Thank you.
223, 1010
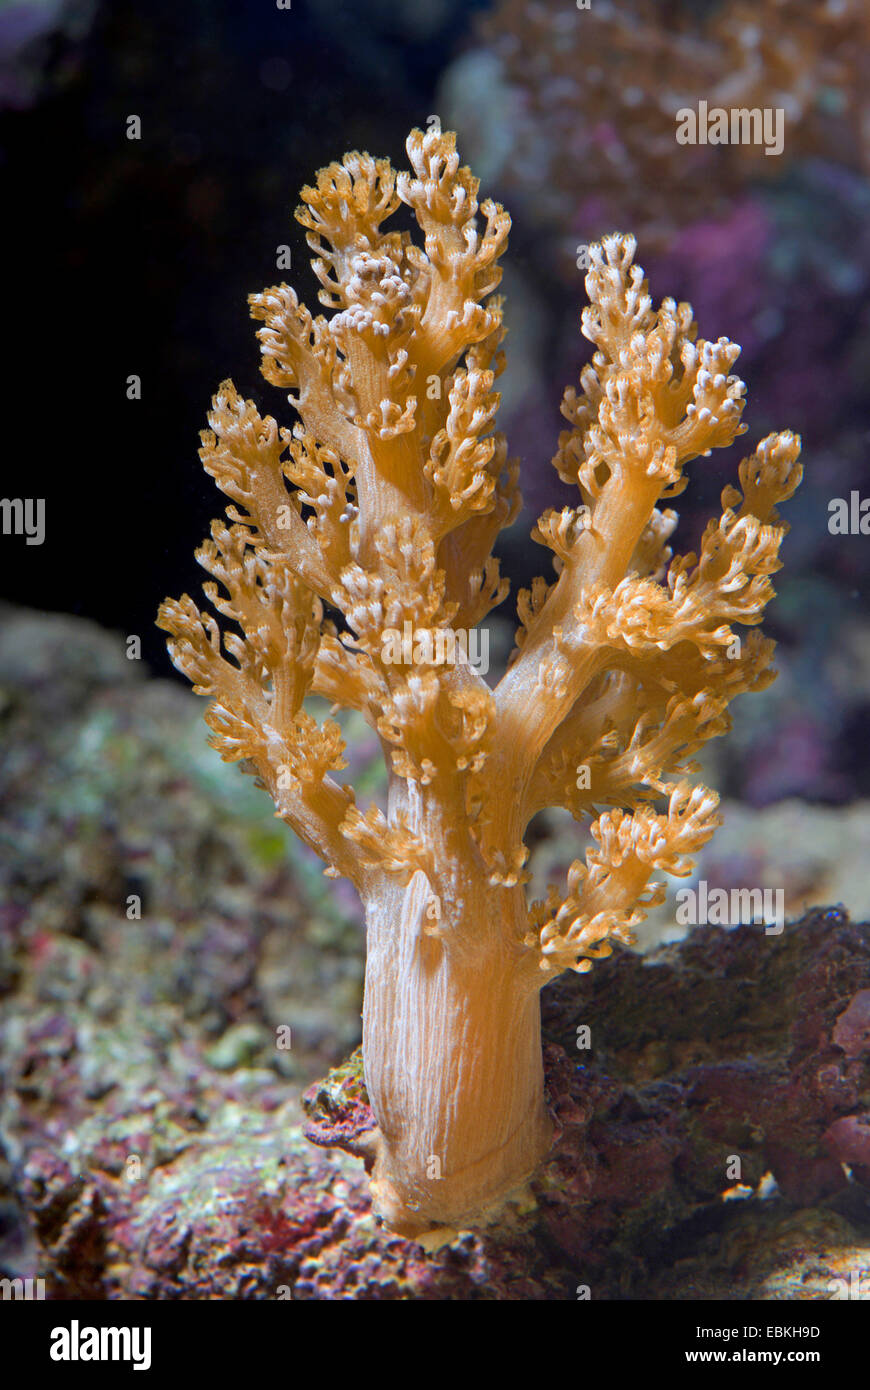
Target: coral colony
373, 518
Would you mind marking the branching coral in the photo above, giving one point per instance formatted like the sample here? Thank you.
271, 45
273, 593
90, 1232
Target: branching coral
383, 503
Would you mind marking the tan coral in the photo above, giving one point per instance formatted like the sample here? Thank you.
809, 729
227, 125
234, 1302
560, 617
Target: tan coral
383, 502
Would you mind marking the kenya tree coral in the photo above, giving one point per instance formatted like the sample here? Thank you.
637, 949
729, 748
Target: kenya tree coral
375, 514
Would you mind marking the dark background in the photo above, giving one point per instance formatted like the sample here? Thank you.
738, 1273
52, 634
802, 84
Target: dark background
137, 257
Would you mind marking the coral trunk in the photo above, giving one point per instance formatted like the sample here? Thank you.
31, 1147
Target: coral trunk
452, 1050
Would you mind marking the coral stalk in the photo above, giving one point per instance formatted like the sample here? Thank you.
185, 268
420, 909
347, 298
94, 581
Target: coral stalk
452, 1048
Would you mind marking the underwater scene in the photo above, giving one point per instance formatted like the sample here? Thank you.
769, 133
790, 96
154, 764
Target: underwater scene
435, 661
